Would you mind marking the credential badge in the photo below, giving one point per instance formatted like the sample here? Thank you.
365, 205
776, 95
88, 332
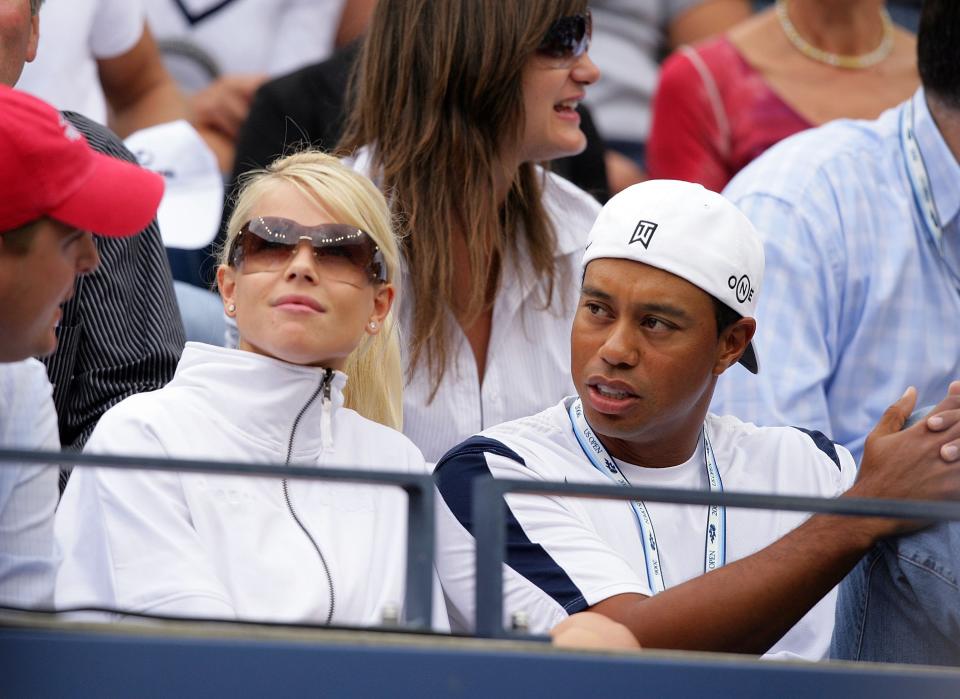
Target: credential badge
643, 233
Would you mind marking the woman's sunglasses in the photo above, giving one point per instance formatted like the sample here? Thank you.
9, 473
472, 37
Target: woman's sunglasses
345, 253
568, 37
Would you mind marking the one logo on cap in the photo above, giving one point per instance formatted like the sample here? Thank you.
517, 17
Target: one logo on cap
643, 233
742, 287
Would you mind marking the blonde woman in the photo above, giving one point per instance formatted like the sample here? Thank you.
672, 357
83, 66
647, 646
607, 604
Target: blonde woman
308, 274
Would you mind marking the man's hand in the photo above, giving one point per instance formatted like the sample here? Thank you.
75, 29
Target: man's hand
921, 462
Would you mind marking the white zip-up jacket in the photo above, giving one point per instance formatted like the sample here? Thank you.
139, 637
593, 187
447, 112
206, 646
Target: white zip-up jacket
206, 545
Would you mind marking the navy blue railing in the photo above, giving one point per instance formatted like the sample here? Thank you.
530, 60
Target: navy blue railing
489, 522
419, 489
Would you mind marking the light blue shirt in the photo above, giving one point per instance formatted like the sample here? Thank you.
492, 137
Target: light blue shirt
28, 493
856, 303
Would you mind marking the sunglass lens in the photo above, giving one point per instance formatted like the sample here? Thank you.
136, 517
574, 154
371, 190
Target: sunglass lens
569, 37
346, 245
263, 253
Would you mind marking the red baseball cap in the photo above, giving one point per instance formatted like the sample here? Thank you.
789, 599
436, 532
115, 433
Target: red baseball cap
47, 169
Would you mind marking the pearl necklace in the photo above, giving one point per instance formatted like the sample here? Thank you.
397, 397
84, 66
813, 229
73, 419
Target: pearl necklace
837, 60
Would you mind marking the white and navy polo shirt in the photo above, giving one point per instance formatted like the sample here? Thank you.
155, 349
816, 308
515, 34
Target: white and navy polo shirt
566, 554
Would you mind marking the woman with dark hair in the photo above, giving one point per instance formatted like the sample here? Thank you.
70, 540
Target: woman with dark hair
454, 104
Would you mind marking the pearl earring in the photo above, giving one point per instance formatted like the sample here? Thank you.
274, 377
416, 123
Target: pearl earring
373, 325
232, 308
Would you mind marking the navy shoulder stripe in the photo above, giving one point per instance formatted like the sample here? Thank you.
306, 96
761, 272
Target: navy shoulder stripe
823, 443
454, 476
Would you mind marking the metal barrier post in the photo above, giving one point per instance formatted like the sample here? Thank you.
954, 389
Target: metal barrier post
489, 531
418, 595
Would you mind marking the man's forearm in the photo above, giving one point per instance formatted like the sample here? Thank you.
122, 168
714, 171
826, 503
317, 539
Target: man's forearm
748, 605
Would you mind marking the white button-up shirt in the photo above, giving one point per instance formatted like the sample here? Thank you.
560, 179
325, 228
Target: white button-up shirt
528, 359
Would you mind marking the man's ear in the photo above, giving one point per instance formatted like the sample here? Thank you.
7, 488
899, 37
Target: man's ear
733, 343
34, 40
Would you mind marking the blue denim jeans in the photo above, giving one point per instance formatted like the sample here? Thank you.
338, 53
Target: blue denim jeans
902, 601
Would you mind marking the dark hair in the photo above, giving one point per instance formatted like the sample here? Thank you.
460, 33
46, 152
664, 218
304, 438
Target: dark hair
725, 315
938, 50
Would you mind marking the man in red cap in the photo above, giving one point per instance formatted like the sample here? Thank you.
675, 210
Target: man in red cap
121, 333
54, 192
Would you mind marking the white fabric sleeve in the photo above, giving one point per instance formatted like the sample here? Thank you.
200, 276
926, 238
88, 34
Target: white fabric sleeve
127, 537
117, 27
556, 563
848, 468
28, 493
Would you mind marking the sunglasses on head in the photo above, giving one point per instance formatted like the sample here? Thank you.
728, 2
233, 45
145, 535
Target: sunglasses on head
344, 252
568, 37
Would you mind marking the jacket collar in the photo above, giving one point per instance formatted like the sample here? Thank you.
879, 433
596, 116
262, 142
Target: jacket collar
260, 396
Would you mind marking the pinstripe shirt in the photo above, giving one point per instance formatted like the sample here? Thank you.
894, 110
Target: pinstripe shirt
857, 302
121, 333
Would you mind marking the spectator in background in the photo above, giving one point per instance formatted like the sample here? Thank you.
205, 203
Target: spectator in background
55, 189
221, 73
631, 37
98, 58
121, 332
860, 227
861, 222
491, 240
723, 102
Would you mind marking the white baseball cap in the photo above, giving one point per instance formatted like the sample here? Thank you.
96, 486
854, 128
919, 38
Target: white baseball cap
192, 204
689, 231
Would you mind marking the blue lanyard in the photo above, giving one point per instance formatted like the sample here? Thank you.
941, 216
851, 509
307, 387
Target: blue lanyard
715, 539
920, 184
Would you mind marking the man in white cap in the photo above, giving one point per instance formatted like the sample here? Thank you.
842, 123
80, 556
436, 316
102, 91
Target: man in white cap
671, 277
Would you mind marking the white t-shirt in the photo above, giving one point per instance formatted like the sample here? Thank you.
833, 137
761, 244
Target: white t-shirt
74, 34
28, 493
567, 554
250, 36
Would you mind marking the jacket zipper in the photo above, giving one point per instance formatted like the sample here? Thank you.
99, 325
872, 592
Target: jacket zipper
327, 437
